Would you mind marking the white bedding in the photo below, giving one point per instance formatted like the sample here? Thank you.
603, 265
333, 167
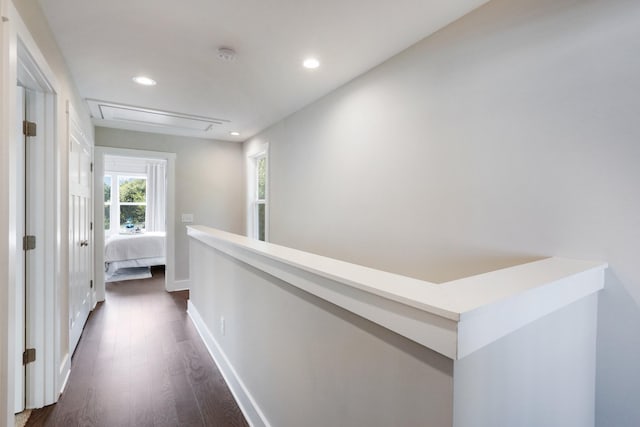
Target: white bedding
122, 247
112, 267
126, 251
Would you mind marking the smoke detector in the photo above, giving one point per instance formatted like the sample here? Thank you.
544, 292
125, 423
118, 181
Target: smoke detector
227, 54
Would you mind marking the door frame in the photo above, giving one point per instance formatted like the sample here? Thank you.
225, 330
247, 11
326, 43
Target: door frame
22, 58
98, 208
41, 285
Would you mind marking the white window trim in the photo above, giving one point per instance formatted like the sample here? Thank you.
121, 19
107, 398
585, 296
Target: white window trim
252, 192
114, 207
257, 201
170, 282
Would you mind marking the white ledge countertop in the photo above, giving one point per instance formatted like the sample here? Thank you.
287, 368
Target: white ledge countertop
454, 318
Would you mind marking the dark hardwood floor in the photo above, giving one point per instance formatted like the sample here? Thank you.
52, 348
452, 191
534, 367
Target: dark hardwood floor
140, 362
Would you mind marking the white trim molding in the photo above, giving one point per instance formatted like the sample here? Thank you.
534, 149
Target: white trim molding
100, 152
21, 59
252, 154
180, 285
454, 319
243, 397
324, 331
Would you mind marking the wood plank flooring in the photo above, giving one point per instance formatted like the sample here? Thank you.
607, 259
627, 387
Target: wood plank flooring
140, 362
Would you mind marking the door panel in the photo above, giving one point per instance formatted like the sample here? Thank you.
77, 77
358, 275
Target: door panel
80, 233
35, 259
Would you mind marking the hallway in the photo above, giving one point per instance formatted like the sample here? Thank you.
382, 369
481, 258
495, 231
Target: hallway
140, 362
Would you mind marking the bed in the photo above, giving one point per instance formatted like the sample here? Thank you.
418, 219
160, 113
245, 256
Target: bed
130, 256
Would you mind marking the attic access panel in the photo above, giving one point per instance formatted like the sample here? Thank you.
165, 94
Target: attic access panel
145, 116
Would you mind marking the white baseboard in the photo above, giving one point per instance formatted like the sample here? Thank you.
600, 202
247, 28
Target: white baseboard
246, 402
179, 285
63, 375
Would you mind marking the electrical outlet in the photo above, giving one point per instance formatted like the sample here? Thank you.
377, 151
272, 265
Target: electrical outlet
222, 326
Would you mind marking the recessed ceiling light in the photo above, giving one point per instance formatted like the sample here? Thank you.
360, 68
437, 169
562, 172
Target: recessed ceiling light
144, 81
311, 63
234, 133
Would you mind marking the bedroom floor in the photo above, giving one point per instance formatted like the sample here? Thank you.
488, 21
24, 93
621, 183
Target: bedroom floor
140, 362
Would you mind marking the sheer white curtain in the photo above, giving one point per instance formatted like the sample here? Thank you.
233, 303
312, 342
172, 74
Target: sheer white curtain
156, 195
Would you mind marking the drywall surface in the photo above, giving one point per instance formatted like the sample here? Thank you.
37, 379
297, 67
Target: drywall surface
209, 181
307, 362
540, 375
507, 136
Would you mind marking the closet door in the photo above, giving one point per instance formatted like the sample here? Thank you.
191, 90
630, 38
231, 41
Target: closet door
80, 229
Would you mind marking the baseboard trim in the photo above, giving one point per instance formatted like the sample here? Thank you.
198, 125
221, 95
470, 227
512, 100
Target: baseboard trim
246, 402
179, 285
63, 375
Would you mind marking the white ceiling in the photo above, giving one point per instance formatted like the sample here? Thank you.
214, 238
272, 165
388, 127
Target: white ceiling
107, 43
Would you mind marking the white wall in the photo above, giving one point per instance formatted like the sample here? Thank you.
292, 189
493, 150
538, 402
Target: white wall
534, 376
307, 362
209, 181
509, 135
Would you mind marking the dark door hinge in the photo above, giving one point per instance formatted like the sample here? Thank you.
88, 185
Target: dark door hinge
28, 243
91, 167
28, 128
29, 356
91, 284
91, 226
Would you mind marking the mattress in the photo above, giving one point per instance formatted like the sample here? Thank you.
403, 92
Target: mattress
122, 247
124, 253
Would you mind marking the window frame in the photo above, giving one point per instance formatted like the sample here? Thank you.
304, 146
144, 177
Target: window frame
256, 197
253, 199
115, 203
107, 203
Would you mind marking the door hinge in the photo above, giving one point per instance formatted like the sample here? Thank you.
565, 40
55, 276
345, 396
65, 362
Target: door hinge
29, 356
28, 128
91, 167
91, 284
91, 226
28, 243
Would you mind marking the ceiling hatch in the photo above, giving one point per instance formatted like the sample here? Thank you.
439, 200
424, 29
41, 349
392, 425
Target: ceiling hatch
146, 116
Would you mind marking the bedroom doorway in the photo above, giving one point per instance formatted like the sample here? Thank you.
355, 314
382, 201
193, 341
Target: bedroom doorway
134, 215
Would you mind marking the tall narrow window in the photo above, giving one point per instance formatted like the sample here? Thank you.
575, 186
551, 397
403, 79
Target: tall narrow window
260, 206
107, 202
132, 198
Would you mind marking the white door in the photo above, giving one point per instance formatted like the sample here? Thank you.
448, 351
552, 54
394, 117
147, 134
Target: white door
19, 399
80, 233
30, 274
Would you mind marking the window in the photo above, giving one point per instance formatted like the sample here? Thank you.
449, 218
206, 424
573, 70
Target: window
260, 209
257, 194
132, 196
125, 205
107, 202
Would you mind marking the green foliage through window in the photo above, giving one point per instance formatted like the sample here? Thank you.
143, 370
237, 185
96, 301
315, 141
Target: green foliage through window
107, 202
262, 177
132, 190
261, 190
130, 204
